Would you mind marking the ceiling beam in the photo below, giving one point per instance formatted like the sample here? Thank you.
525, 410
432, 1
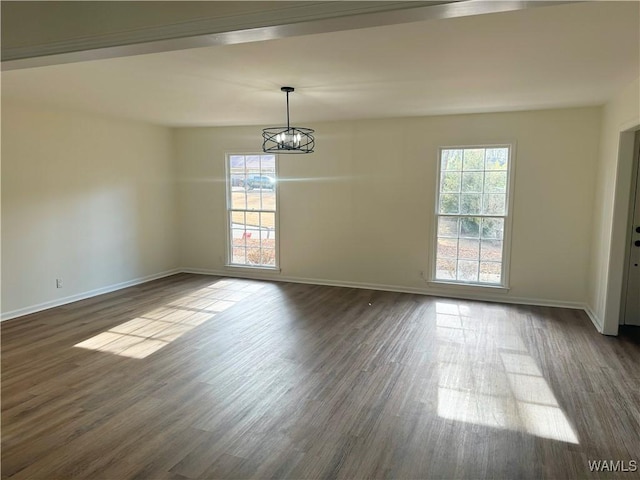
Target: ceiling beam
317, 17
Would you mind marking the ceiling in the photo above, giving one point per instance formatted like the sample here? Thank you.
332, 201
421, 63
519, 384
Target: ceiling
549, 57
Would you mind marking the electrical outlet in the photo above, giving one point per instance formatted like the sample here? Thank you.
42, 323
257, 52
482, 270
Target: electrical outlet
58, 283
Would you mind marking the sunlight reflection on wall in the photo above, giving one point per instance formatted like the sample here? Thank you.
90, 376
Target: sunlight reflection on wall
487, 377
144, 335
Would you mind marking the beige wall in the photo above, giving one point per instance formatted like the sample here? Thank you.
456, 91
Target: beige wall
360, 209
94, 201
86, 199
620, 114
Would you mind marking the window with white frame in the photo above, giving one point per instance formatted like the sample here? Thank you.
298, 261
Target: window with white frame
252, 182
472, 215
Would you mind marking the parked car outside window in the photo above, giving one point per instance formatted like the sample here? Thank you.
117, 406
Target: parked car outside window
260, 181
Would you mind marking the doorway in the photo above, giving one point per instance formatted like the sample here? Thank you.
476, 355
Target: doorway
631, 294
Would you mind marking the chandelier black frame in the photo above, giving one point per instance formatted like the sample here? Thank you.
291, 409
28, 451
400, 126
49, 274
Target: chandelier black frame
288, 139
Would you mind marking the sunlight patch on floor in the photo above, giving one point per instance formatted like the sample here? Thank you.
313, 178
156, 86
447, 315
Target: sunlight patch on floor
487, 377
157, 328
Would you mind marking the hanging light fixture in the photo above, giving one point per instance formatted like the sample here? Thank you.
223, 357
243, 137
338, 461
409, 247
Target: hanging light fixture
287, 139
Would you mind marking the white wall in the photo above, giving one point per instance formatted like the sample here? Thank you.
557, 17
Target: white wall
87, 199
621, 115
360, 209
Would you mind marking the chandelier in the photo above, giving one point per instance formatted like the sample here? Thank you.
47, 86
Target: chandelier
287, 139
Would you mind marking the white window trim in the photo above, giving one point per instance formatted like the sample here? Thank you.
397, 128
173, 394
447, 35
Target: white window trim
228, 229
504, 286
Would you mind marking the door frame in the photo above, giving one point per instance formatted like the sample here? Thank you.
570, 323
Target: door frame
635, 190
618, 257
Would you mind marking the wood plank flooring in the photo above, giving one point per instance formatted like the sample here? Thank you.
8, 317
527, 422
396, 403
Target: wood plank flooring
198, 377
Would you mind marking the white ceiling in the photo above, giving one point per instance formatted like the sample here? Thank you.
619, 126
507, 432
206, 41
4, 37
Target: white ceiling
548, 57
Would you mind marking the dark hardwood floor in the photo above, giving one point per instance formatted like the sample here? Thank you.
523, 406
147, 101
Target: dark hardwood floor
196, 377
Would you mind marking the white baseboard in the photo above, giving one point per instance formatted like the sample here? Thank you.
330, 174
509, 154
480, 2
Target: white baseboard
84, 295
597, 322
448, 292
445, 292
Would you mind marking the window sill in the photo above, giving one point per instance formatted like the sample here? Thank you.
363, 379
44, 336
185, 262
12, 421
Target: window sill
252, 268
470, 287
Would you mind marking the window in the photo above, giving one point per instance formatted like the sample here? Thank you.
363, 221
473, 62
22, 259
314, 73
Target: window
472, 213
251, 208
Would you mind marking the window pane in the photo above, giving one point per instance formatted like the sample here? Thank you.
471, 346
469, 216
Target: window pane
447, 248
490, 272
239, 255
253, 254
469, 249
268, 164
495, 182
237, 217
470, 227
244, 232
253, 199
470, 203
253, 220
252, 163
450, 182
238, 236
449, 203
267, 230
473, 159
494, 204
238, 198
237, 220
491, 250
268, 256
236, 163
237, 181
237, 171
268, 221
467, 271
268, 199
446, 269
472, 182
497, 158
448, 227
493, 228
451, 160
